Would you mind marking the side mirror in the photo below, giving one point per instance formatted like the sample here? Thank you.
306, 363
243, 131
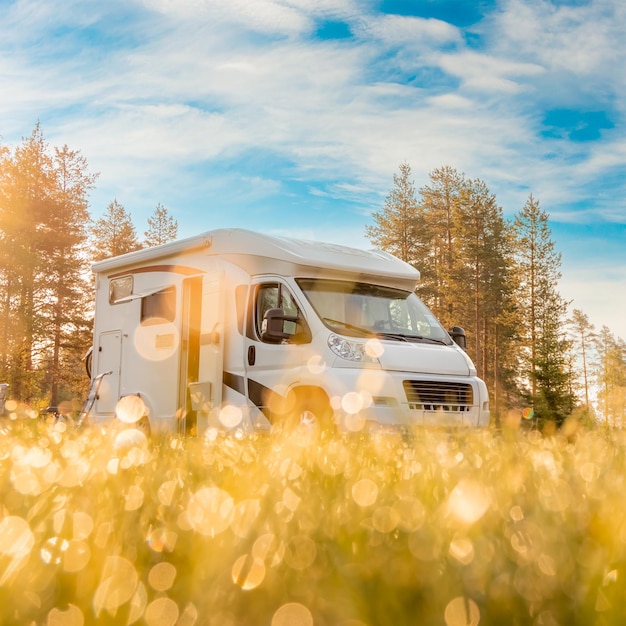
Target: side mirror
277, 326
458, 336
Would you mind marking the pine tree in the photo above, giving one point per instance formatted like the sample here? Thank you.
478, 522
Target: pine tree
610, 370
396, 226
26, 189
43, 214
113, 233
438, 258
583, 336
482, 287
66, 290
554, 399
542, 323
162, 228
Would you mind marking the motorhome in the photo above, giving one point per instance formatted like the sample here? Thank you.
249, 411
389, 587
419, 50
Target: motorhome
238, 330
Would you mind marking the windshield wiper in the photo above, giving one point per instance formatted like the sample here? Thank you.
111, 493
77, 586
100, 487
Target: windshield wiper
398, 336
358, 329
410, 338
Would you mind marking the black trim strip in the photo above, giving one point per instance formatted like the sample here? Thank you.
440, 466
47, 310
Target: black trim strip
235, 382
260, 395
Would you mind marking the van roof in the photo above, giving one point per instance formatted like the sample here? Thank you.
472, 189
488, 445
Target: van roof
240, 244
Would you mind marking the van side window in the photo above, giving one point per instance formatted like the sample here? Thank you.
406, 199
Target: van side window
159, 307
120, 288
277, 296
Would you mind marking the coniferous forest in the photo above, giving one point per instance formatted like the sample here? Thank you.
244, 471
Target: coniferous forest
496, 277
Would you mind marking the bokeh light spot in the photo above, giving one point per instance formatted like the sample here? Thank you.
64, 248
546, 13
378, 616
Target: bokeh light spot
411, 514
82, 524
589, 472
113, 466
137, 604
263, 545
354, 422
365, 492
76, 557
129, 438
161, 577
72, 616
70, 449
161, 538
292, 614
468, 501
161, 612
26, 482
290, 499
231, 416
371, 380
134, 498
516, 513
301, 552
316, 364
352, 402
156, 342
248, 572
16, 537
547, 565
385, 519
374, 348
130, 409
462, 612
462, 549
166, 492
210, 511
245, 516
51, 552
117, 586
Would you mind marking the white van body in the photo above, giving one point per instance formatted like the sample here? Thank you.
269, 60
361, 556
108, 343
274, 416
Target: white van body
181, 326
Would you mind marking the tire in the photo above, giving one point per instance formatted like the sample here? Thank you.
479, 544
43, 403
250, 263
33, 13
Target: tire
88, 361
312, 411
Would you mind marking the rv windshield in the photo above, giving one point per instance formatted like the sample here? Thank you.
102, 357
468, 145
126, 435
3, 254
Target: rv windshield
363, 309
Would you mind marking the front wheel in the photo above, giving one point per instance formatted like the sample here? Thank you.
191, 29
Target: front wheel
312, 412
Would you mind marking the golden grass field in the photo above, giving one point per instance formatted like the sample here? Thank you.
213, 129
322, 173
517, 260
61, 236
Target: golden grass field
428, 527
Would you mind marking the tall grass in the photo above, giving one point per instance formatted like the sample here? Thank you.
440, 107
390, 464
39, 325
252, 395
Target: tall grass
427, 527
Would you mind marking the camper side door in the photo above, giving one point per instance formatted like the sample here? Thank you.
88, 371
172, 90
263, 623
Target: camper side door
205, 392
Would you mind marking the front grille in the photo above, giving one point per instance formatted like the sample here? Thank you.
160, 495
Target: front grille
428, 395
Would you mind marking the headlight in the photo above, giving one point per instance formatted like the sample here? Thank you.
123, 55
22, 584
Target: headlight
351, 350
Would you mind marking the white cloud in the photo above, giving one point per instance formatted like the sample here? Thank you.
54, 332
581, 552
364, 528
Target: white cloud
396, 31
579, 45
481, 71
271, 17
264, 16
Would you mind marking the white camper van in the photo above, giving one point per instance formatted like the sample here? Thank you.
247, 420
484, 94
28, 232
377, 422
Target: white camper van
234, 329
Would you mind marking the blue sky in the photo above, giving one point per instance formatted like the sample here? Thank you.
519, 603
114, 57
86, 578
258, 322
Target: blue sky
291, 116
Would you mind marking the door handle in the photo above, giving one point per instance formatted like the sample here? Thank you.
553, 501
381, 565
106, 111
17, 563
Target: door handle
251, 355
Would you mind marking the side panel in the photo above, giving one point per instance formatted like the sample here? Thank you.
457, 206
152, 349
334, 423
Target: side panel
109, 359
189, 351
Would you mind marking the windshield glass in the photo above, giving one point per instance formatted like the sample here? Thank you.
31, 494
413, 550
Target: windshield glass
363, 309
